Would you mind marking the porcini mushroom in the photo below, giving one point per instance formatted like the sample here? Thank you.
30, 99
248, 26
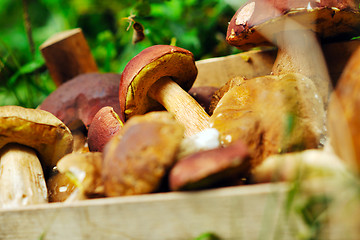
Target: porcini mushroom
162, 74
84, 169
343, 118
312, 163
104, 126
77, 101
295, 27
28, 137
208, 168
138, 158
271, 114
67, 55
77, 176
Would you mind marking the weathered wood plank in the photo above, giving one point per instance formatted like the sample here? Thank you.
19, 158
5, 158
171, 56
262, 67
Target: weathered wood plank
217, 71
244, 212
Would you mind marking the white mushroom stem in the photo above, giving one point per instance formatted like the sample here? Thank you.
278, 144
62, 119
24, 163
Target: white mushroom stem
178, 102
299, 52
22, 180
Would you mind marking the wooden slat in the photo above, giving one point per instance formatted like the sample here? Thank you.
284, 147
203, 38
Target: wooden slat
245, 212
217, 71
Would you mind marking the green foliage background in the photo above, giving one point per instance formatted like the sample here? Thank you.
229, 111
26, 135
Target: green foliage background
199, 26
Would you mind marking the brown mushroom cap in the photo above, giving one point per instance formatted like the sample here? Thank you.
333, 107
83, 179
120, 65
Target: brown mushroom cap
146, 68
60, 186
37, 129
140, 155
331, 20
81, 98
85, 168
204, 169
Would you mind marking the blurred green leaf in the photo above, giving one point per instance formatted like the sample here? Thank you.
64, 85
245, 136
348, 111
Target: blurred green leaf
199, 26
142, 8
28, 68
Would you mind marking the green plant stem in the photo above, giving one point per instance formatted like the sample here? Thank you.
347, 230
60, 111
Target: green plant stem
29, 35
28, 29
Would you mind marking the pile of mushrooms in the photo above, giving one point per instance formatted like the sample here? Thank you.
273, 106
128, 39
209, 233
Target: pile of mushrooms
147, 130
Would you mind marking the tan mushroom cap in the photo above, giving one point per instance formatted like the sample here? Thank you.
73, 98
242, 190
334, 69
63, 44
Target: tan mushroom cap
146, 68
330, 20
86, 169
137, 159
37, 129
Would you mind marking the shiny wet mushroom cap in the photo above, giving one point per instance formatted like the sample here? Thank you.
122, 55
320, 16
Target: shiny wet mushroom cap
37, 129
31, 142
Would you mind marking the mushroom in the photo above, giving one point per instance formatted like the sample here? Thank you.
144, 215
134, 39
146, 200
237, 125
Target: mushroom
162, 74
295, 27
312, 163
84, 170
208, 168
137, 159
60, 186
343, 117
67, 54
104, 126
235, 81
271, 114
29, 137
77, 101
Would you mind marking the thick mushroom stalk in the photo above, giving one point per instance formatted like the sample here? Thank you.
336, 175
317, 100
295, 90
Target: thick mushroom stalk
162, 74
67, 55
22, 179
297, 28
306, 58
30, 140
185, 108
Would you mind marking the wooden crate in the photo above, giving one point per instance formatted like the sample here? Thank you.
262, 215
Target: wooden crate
232, 213
242, 212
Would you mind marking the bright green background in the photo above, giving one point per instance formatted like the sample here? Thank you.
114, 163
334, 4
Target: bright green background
199, 26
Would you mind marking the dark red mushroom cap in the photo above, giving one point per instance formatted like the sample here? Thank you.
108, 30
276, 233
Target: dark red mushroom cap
82, 97
146, 68
105, 124
207, 168
331, 20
